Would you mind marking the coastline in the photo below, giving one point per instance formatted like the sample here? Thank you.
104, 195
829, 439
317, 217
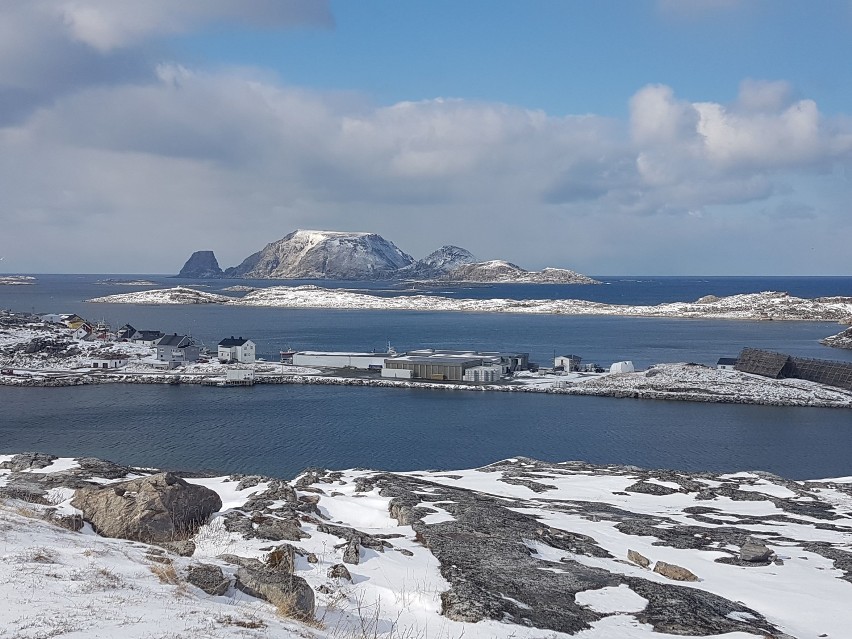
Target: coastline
673, 382
763, 306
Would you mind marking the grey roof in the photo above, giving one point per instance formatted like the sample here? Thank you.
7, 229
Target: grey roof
148, 335
175, 340
726, 361
765, 363
232, 341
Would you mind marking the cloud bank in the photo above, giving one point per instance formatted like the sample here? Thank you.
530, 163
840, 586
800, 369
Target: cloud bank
101, 143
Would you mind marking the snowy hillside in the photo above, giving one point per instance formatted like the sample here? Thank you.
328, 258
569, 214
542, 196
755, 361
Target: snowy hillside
500, 271
520, 548
437, 264
327, 255
769, 305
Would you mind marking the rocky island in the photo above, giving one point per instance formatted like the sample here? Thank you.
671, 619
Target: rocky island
520, 548
768, 305
338, 255
842, 340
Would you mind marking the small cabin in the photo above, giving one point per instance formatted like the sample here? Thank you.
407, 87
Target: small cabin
726, 363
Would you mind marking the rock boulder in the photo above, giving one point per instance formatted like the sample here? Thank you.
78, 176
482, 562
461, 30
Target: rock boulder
154, 509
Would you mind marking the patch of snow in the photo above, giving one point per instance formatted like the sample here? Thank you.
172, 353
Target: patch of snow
612, 599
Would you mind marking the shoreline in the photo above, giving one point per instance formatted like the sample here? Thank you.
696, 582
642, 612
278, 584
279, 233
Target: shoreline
677, 387
764, 306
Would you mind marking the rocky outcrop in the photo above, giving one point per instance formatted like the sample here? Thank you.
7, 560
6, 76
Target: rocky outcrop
674, 572
500, 271
754, 550
209, 578
438, 264
289, 592
201, 265
842, 340
159, 508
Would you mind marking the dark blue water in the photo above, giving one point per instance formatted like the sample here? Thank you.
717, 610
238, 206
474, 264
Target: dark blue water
282, 429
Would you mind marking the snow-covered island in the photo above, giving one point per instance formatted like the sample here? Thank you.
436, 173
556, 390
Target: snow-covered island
768, 305
520, 548
842, 340
39, 354
16, 280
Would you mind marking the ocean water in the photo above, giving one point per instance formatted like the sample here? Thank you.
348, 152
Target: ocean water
280, 430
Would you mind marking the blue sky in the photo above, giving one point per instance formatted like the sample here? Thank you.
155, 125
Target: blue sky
565, 57
632, 137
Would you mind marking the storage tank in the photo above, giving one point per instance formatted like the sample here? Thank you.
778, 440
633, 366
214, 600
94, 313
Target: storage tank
622, 367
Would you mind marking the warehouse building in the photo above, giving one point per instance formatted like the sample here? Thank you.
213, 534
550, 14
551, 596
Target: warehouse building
361, 361
454, 365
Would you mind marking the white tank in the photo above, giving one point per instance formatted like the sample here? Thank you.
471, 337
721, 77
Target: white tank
622, 367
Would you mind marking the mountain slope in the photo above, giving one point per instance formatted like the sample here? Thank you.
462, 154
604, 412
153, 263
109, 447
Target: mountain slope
306, 254
497, 271
437, 264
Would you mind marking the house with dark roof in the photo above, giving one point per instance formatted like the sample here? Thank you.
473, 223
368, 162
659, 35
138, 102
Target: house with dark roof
236, 349
726, 363
125, 333
147, 338
177, 349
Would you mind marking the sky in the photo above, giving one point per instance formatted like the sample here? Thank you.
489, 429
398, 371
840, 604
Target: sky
646, 137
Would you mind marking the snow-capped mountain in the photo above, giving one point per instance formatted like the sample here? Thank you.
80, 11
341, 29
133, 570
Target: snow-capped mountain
437, 264
339, 255
503, 271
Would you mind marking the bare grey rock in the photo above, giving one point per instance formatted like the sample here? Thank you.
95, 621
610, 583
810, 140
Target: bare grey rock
159, 508
339, 571
754, 550
352, 553
201, 265
282, 558
28, 461
288, 592
209, 578
638, 558
675, 572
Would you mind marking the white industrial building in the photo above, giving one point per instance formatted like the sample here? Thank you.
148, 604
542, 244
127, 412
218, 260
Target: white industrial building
361, 361
622, 367
483, 374
243, 375
236, 349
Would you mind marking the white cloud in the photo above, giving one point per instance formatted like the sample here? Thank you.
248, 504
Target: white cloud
232, 159
109, 24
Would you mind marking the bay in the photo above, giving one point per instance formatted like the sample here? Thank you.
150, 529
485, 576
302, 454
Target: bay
280, 430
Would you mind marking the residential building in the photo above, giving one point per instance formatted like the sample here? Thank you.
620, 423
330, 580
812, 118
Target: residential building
236, 349
177, 349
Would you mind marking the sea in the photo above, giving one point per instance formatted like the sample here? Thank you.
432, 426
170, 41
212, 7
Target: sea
281, 430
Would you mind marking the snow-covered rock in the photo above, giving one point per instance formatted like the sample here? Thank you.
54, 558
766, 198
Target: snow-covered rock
437, 264
501, 271
325, 255
842, 340
519, 548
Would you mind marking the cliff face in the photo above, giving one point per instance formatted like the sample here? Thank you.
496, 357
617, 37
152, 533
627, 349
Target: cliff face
201, 265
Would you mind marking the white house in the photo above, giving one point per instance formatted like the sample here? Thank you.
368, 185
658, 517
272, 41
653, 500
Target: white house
82, 332
109, 362
236, 349
726, 363
622, 367
568, 363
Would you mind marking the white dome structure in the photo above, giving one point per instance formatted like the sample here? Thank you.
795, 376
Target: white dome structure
622, 367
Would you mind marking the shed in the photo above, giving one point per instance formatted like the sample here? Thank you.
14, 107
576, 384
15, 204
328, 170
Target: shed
764, 363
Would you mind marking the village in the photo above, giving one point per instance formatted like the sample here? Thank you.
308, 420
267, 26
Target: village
66, 350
